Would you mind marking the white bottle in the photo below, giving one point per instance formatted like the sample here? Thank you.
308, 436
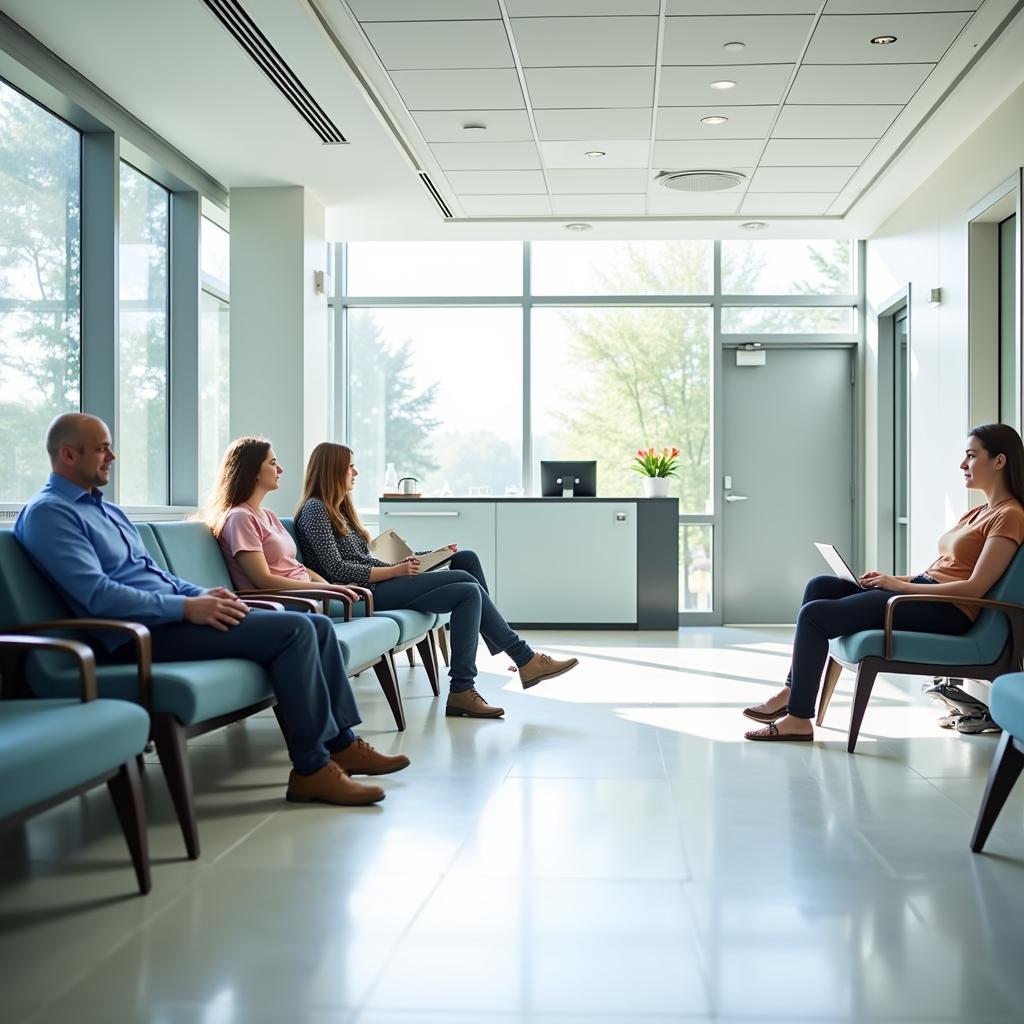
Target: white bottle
390, 479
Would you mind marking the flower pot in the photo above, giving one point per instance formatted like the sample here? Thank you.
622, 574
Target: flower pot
655, 486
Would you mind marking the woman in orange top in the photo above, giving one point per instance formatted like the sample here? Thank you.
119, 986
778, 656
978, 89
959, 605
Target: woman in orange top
973, 555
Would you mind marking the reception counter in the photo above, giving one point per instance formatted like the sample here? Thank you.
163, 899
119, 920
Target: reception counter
559, 562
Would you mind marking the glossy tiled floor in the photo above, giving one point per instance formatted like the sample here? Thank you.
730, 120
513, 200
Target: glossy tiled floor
613, 851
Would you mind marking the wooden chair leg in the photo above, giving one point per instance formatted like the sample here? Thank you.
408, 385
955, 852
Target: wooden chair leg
861, 695
169, 736
385, 672
442, 642
126, 792
429, 656
410, 656
1006, 768
833, 670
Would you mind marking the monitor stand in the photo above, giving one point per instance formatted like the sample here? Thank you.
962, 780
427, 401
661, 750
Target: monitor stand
568, 484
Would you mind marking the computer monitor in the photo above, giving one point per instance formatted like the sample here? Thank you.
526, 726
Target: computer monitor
568, 479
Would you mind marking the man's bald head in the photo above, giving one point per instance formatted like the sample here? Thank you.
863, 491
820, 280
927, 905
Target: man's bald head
79, 448
71, 429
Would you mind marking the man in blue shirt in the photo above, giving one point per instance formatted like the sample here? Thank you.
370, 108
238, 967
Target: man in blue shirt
94, 555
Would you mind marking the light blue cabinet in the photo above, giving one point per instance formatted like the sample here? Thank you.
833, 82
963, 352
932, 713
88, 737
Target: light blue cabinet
564, 563
429, 525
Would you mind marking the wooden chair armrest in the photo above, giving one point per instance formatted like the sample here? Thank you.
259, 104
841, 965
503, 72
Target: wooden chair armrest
293, 598
310, 595
270, 606
82, 653
139, 634
1014, 612
367, 597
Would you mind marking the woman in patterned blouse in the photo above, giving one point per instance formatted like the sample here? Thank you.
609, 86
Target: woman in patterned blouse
335, 544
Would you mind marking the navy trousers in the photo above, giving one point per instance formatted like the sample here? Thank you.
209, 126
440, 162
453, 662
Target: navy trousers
461, 590
300, 653
833, 607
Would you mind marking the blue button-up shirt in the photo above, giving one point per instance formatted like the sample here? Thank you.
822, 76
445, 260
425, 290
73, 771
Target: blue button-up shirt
95, 557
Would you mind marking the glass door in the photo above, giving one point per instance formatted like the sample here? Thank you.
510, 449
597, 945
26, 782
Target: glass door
901, 443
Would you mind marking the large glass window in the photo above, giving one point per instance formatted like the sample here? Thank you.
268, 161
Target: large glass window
438, 392
40, 326
785, 267
621, 268
608, 380
214, 354
788, 320
143, 348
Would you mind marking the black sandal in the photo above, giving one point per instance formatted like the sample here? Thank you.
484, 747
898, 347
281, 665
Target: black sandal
771, 733
765, 716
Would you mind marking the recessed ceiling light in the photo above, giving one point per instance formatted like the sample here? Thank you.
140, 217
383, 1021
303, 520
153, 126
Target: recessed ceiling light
714, 119
594, 152
723, 84
734, 47
578, 226
754, 225
474, 126
883, 40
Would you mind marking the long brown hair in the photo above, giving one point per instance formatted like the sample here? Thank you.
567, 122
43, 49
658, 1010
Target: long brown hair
1002, 439
236, 478
325, 479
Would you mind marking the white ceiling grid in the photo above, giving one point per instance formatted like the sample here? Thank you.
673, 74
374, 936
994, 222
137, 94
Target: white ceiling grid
554, 80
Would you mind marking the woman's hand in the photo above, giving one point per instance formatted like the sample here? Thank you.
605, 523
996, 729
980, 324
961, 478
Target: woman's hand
880, 581
407, 567
453, 547
346, 592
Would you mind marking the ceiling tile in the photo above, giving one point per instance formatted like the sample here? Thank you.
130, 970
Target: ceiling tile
578, 8
755, 84
590, 87
411, 45
858, 83
599, 206
800, 179
506, 206
497, 183
691, 204
816, 152
713, 153
621, 123
884, 6
743, 6
456, 90
598, 181
685, 123
792, 203
618, 153
846, 38
837, 122
446, 125
487, 156
769, 39
585, 42
417, 10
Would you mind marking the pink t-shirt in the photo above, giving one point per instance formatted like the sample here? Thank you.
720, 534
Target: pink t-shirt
248, 530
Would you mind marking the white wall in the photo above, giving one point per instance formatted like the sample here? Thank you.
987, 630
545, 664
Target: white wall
924, 244
278, 327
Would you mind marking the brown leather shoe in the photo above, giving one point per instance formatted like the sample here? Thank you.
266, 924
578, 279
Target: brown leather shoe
331, 785
360, 758
541, 667
470, 704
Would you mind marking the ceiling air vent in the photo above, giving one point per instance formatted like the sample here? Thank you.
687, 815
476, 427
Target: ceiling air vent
432, 189
272, 64
700, 181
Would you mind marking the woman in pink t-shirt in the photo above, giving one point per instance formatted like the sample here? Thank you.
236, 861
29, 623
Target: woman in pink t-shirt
259, 551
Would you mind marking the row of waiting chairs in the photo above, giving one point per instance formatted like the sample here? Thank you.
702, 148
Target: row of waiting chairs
69, 725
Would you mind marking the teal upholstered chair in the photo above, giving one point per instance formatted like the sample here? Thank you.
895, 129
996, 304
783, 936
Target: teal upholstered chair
1006, 705
992, 646
184, 699
52, 750
415, 629
191, 552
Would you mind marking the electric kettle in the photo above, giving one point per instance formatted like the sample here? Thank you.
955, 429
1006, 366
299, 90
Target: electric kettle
407, 485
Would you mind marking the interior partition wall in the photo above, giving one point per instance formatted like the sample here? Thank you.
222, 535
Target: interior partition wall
466, 377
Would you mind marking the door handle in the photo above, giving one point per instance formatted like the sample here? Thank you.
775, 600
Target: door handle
735, 497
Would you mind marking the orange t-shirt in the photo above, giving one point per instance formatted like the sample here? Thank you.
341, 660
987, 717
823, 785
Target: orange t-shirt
960, 547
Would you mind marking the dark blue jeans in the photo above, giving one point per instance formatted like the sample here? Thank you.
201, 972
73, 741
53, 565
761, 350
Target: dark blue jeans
300, 653
461, 590
833, 607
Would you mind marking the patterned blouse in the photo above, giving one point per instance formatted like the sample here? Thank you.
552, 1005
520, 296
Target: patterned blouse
339, 559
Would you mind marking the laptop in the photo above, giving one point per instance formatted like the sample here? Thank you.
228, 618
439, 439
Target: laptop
837, 563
